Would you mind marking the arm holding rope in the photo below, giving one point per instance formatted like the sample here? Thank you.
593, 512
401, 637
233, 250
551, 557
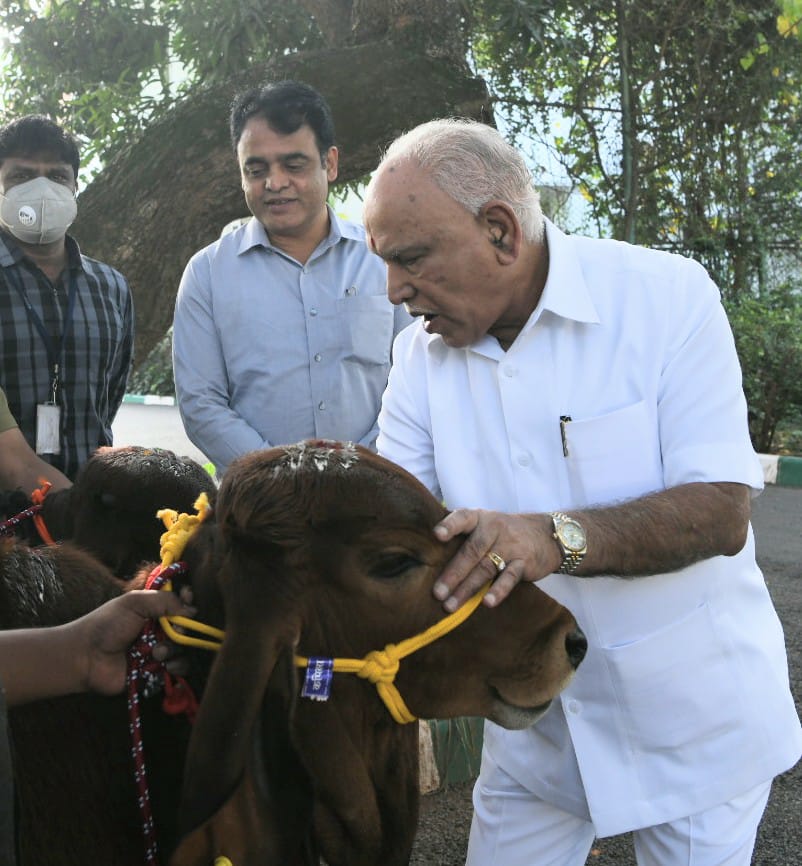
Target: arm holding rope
88, 654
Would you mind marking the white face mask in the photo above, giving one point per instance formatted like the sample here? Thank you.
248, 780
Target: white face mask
38, 211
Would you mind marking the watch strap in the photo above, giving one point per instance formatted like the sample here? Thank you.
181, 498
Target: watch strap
571, 558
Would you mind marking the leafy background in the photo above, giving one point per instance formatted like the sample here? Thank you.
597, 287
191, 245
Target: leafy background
670, 123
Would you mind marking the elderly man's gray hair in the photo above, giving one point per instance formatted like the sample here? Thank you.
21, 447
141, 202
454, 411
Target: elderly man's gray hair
472, 163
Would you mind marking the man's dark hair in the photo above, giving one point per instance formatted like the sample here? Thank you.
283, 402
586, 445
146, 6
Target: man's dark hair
286, 106
37, 135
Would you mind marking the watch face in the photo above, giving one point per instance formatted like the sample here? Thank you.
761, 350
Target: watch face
573, 535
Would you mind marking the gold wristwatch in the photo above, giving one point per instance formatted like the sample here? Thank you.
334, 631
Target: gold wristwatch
571, 539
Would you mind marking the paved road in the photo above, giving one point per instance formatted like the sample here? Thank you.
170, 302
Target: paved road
778, 532
777, 520
154, 427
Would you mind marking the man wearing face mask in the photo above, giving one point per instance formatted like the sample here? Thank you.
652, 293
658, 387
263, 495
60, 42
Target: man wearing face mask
66, 321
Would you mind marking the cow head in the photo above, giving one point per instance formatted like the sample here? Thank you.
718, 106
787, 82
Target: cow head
111, 509
324, 549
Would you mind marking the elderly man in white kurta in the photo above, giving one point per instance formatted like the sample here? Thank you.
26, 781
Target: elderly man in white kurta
578, 403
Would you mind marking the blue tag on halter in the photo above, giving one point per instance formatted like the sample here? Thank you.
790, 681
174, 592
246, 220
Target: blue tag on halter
317, 682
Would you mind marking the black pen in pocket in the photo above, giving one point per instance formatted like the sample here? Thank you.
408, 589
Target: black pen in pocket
564, 422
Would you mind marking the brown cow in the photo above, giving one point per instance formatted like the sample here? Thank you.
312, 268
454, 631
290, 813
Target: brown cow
110, 510
327, 550
73, 771
317, 549
75, 795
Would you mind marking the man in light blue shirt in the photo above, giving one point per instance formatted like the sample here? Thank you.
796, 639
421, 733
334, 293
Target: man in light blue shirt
282, 329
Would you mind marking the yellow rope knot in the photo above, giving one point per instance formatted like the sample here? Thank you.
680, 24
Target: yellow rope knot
381, 666
180, 528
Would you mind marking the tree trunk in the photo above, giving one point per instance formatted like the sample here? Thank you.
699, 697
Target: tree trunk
171, 192
629, 136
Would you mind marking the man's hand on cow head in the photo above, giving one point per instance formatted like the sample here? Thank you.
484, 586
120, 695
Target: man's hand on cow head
507, 547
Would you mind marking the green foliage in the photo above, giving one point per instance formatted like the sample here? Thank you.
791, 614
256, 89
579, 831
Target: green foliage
789, 24
154, 375
106, 68
768, 335
91, 64
788, 438
213, 40
457, 748
646, 108
678, 121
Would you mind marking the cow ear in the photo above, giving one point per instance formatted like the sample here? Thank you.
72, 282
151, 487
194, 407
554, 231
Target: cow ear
236, 831
224, 727
264, 813
280, 776
58, 511
259, 623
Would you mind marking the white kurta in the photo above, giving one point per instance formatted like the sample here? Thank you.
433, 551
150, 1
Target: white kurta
683, 700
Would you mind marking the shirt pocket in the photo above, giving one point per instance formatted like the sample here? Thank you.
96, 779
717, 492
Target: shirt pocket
613, 457
676, 687
368, 326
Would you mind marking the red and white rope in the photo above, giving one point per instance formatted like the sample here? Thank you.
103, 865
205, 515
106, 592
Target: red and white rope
144, 676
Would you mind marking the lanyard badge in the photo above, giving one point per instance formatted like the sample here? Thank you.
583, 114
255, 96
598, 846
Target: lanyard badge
48, 421
48, 415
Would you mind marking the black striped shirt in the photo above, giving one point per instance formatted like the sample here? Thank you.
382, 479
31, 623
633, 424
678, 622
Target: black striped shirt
95, 355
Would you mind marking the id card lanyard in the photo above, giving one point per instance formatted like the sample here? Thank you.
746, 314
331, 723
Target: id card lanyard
48, 415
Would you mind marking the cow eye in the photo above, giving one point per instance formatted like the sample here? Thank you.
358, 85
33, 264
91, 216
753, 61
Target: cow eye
394, 564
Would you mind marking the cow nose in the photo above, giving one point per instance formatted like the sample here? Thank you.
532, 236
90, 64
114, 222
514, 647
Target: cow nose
576, 645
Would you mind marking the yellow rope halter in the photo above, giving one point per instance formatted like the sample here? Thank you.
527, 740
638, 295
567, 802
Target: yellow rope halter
381, 666
180, 528
378, 667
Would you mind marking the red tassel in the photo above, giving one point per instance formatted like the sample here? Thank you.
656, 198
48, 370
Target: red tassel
179, 697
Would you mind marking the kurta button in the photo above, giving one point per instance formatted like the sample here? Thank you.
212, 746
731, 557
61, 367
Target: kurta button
510, 371
574, 707
350, 291
313, 312
318, 357
321, 404
524, 459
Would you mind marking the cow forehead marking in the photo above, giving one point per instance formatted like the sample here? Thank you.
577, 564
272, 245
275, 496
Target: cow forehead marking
322, 455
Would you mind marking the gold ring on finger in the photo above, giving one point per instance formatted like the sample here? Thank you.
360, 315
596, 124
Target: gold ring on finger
497, 561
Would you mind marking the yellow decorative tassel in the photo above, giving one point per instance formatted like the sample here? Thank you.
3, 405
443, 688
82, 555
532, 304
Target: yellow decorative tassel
180, 528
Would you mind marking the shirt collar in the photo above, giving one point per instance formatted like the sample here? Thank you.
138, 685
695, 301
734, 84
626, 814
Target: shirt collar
255, 234
566, 293
75, 260
11, 254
